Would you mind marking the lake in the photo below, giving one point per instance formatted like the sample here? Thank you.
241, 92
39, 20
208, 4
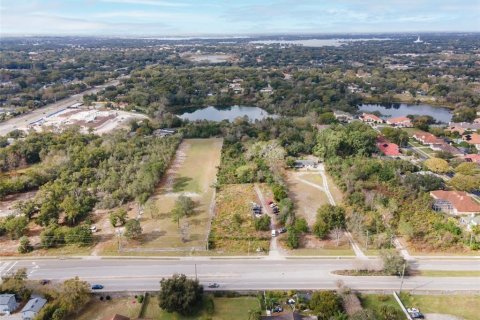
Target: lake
316, 43
226, 113
440, 114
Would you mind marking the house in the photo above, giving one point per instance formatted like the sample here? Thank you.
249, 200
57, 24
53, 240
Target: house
427, 138
477, 121
8, 303
387, 148
33, 306
267, 90
289, 316
454, 202
401, 122
472, 158
305, 164
447, 148
343, 116
461, 127
473, 139
370, 118
164, 132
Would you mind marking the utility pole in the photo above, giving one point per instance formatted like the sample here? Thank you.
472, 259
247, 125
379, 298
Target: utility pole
366, 242
403, 275
196, 277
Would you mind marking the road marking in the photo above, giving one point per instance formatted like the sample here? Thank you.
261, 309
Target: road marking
6, 271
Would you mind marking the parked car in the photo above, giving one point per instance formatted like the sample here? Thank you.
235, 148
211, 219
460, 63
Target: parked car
282, 230
97, 287
93, 228
213, 285
44, 282
417, 315
276, 210
274, 233
277, 309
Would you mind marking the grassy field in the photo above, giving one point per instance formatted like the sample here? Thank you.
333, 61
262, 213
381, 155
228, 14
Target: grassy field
307, 198
99, 310
225, 309
375, 302
465, 306
183, 177
237, 235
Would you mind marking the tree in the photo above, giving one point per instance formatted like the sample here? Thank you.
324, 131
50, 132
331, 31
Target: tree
15, 226
74, 294
393, 263
467, 168
263, 223
328, 218
133, 229
118, 217
325, 304
16, 283
24, 245
293, 239
465, 183
336, 233
180, 294
183, 208
437, 165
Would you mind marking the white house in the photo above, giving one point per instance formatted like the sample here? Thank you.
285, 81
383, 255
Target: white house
8, 303
31, 309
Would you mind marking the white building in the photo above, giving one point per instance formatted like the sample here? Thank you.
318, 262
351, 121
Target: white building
33, 306
8, 304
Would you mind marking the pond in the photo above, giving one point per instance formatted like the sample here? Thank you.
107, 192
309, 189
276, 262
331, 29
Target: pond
226, 113
316, 43
440, 114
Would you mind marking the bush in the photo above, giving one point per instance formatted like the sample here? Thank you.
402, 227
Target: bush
293, 239
393, 263
263, 223
25, 245
325, 304
133, 230
209, 305
140, 298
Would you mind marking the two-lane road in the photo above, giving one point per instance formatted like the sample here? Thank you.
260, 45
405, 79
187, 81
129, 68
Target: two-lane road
242, 274
24, 120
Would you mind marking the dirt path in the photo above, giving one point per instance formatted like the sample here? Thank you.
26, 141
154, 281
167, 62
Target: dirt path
275, 251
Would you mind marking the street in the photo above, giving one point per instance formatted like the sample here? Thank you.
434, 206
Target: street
131, 274
37, 114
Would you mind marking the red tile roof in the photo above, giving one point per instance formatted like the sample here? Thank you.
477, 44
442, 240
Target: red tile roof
473, 157
371, 117
460, 200
388, 148
427, 138
473, 138
399, 120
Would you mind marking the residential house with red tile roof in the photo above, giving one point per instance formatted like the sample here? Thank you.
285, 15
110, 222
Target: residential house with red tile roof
370, 118
427, 138
473, 138
387, 148
472, 158
454, 202
401, 122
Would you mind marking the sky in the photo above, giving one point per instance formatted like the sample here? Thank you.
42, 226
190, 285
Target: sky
234, 17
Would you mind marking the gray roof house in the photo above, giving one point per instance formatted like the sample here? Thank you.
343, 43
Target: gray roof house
8, 303
31, 309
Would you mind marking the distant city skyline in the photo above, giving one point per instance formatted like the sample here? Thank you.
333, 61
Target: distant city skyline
246, 17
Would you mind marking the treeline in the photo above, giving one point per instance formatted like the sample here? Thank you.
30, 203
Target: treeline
104, 171
385, 197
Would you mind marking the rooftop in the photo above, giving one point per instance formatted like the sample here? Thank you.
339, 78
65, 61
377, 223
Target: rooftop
5, 298
35, 305
460, 200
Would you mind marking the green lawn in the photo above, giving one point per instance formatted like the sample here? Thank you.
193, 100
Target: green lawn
342, 251
225, 309
376, 302
99, 310
465, 306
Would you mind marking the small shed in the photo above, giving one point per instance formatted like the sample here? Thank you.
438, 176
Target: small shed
8, 303
33, 306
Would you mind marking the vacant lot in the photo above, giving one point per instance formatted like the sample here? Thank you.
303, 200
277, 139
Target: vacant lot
306, 191
192, 173
233, 229
225, 309
99, 310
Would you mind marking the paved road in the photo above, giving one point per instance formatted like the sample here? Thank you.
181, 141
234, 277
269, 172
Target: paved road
240, 274
37, 114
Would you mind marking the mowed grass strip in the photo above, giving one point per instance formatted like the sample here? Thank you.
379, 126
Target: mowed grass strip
99, 310
233, 228
194, 177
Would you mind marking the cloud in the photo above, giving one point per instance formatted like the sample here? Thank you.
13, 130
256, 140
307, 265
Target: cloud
158, 3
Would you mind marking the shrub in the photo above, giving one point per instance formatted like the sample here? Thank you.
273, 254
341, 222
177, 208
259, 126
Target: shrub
263, 223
